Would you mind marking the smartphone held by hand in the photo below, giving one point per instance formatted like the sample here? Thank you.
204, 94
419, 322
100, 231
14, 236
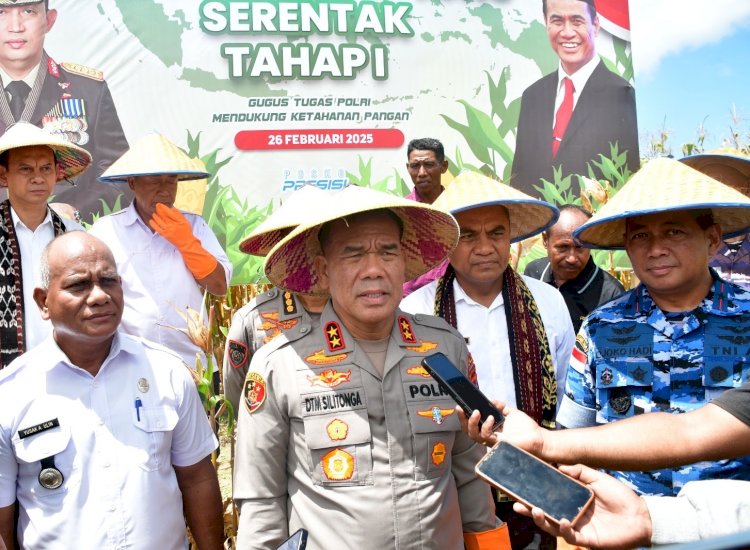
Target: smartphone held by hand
533, 482
461, 389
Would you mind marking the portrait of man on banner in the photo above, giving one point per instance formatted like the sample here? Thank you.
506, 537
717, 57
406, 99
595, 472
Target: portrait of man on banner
577, 113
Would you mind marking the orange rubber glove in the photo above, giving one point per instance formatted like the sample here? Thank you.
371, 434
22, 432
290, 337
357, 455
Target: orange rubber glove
173, 226
495, 539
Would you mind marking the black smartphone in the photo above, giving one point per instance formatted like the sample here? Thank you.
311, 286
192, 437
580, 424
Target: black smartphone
534, 482
298, 541
461, 389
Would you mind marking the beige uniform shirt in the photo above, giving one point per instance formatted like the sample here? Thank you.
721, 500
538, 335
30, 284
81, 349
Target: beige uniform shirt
258, 322
359, 460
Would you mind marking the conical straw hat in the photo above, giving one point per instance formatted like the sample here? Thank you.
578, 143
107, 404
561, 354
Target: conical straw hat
152, 155
469, 190
714, 164
73, 160
664, 185
428, 236
303, 202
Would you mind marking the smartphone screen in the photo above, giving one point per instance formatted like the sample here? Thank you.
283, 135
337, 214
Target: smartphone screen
463, 391
298, 541
534, 482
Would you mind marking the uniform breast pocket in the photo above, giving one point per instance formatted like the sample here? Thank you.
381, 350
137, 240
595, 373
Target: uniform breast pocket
47, 459
620, 385
434, 424
725, 371
154, 434
340, 447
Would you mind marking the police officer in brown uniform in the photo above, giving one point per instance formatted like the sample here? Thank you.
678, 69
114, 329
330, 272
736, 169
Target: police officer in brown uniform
66, 99
341, 430
275, 312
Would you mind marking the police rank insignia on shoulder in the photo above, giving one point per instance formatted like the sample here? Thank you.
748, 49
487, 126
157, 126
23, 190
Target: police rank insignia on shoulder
334, 337
254, 391
407, 333
237, 353
290, 305
75, 68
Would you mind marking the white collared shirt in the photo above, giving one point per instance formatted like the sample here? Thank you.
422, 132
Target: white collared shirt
486, 331
29, 79
155, 281
31, 244
579, 78
119, 488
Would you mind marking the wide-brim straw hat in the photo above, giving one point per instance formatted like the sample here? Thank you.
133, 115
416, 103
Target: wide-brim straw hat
73, 160
665, 185
428, 237
305, 201
153, 155
738, 178
470, 190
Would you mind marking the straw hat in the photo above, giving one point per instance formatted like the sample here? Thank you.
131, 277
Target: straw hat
72, 159
528, 216
664, 185
429, 235
728, 165
151, 155
299, 205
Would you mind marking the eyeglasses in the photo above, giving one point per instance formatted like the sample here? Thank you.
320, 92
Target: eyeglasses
428, 165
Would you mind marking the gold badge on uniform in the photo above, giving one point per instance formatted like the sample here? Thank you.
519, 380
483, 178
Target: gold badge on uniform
273, 327
338, 465
436, 414
334, 337
329, 378
582, 342
438, 453
424, 347
407, 334
418, 370
254, 391
237, 353
337, 429
320, 358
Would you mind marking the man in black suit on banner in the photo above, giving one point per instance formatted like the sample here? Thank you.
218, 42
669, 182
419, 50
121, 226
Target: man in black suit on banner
569, 117
66, 99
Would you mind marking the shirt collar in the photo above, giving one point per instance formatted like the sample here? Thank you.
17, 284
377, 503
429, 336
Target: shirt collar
580, 77
584, 279
461, 296
120, 344
18, 222
130, 215
29, 79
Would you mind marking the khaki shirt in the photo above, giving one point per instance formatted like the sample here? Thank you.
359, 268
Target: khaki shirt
258, 322
359, 460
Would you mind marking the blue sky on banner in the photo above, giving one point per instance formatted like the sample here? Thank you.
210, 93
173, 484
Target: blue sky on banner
690, 62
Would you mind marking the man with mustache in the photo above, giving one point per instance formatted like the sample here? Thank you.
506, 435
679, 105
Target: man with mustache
681, 337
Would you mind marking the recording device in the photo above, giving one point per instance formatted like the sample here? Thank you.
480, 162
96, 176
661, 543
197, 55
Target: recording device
461, 389
534, 482
298, 541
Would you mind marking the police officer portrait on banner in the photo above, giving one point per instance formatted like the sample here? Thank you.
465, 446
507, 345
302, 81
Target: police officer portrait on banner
339, 418
68, 100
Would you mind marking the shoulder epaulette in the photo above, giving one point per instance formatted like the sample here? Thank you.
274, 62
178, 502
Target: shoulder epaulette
82, 70
260, 299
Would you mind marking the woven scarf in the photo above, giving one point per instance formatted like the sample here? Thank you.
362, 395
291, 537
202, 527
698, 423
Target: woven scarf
12, 338
533, 369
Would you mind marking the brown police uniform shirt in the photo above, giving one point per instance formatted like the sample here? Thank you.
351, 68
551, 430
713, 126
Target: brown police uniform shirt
265, 317
359, 460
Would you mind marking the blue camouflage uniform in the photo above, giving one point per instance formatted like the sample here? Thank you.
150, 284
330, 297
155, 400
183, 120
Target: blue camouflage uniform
630, 358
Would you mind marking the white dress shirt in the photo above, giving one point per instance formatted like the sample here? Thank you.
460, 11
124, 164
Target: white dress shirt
119, 488
579, 78
486, 332
155, 280
31, 244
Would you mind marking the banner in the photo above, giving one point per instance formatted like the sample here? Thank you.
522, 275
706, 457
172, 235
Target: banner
273, 95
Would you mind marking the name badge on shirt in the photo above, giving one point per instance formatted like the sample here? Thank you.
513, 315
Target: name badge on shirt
38, 428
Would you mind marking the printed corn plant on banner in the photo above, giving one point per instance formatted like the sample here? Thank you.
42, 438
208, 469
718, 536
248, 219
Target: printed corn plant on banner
277, 94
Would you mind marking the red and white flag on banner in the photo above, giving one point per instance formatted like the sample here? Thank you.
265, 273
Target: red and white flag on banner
614, 17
